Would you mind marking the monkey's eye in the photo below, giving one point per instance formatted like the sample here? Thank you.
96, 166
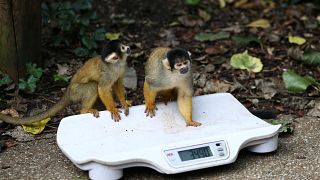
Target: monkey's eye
179, 64
123, 48
185, 62
115, 58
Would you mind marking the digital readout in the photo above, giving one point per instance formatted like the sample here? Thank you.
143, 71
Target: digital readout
196, 153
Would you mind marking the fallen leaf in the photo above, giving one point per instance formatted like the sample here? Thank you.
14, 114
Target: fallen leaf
11, 112
295, 83
113, 36
190, 21
36, 127
214, 50
262, 23
204, 15
245, 40
63, 69
267, 87
311, 57
296, 40
217, 86
222, 3
211, 37
245, 61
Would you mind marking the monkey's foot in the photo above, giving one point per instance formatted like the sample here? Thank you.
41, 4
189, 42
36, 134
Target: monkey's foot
150, 110
193, 123
115, 114
126, 110
92, 111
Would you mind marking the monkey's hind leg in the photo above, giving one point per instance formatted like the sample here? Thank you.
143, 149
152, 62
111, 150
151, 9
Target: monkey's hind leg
88, 99
120, 93
150, 98
168, 95
185, 107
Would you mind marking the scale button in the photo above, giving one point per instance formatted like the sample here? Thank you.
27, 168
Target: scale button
220, 149
221, 154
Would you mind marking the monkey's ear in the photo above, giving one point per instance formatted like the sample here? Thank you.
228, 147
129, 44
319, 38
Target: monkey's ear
189, 53
166, 63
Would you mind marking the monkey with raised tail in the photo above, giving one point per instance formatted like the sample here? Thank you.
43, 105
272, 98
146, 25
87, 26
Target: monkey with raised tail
99, 77
168, 73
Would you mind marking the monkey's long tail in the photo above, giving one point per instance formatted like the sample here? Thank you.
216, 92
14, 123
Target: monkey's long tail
61, 104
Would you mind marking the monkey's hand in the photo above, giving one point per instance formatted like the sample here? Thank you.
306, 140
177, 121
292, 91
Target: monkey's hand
150, 110
126, 110
193, 123
115, 114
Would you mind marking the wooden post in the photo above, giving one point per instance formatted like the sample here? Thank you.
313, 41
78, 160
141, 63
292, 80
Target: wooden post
20, 36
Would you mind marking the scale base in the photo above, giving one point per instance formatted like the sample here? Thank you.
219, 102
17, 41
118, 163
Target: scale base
104, 147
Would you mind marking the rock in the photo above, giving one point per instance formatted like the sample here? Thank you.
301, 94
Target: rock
20, 135
130, 79
201, 81
209, 68
315, 111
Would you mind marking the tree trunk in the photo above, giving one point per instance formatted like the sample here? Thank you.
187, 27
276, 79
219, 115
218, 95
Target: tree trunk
20, 36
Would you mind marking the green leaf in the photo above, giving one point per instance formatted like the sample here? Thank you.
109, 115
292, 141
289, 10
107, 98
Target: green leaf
81, 52
245, 61
58, 77
311, 57
192, 2
211, 37
29, 85
113, 36
99, 34
245, 40
5, 80
87, 42
35, 71
296, 40
296, 83
286, 127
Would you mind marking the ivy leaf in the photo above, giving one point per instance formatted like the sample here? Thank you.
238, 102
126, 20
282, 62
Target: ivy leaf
99, 34
211, 37
60, 77
245, 40
5, 80
296, 40
113, 36
192, 2
295, 83
35, 71
36, 127
262, 23
245, 61
311, 57
81, 52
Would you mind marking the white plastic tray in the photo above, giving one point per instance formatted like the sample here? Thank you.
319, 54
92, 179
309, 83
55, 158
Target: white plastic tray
104, 147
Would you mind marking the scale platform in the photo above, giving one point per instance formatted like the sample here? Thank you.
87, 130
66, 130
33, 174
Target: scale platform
164, 143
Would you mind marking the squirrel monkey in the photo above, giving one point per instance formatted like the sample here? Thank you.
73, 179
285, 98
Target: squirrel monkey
168, 73
98, 77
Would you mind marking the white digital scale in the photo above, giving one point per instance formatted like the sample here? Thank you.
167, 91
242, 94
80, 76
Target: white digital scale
164, 143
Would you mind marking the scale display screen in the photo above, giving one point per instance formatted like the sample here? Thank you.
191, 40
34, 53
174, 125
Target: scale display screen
196, 153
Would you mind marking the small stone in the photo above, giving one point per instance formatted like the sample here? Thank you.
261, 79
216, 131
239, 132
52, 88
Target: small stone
209, 68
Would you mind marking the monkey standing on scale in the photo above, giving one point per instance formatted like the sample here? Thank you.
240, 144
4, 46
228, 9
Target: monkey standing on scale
168, 73
99, 77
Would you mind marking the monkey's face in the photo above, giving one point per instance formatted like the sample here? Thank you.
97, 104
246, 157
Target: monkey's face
114, 51
182, 66
178, 61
